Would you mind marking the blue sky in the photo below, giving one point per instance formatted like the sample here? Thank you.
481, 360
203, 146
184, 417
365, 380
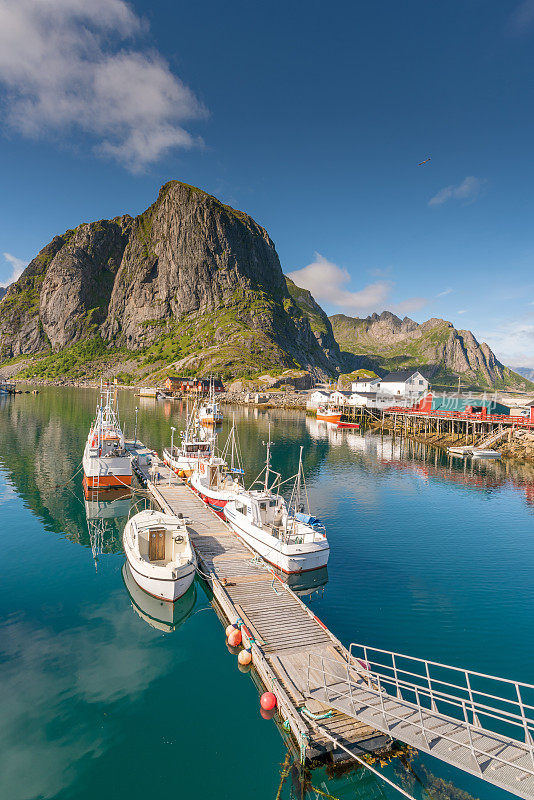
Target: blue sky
312, 118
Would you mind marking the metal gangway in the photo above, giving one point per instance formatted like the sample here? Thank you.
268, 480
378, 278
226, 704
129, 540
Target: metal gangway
479, 723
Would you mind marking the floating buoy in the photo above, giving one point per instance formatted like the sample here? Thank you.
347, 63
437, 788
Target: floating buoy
234, 638
229, 630
267, 714
244, 657
268, 701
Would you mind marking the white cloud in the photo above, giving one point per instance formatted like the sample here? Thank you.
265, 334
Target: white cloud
467, 190
513, 342
462, 311
327, 282
444, 292
17, 268
71, 66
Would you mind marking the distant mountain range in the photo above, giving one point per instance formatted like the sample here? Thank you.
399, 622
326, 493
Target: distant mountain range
384, 342
192, 285
527, 372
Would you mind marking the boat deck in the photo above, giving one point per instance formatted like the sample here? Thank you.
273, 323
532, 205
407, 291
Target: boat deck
283, 630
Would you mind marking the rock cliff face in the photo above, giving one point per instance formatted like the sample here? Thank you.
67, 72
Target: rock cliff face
384, 342
191, 282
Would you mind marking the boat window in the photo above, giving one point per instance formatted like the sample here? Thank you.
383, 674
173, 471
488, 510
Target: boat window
263, 506
272, 503
241, 508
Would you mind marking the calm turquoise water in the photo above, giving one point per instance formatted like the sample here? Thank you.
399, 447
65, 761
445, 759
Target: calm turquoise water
103, 697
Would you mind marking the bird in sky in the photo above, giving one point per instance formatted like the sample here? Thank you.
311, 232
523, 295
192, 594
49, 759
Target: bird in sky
425, 161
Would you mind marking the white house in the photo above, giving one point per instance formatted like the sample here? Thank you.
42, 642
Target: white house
372, 400
318, 397
367, 385
403, 383
339, 398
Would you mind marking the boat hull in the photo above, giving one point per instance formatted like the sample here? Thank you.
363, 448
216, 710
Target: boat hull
336, 418
295, 559
107, 481
169, 590
216, 504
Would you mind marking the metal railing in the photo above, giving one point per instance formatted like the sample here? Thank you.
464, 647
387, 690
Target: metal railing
479, 703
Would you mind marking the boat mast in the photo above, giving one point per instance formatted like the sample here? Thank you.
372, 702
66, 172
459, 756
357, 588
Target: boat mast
297, 482
268, 460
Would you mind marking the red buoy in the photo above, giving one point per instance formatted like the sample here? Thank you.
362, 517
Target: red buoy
235, 638
268, 701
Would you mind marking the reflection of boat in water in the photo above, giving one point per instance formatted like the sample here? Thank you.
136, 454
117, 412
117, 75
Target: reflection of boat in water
305, 583
157, 613
114, 503
102, 509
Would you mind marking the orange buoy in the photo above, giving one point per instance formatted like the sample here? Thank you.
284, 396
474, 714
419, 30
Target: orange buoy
244, 657
268, 701
229, 630
234, 638
267, 714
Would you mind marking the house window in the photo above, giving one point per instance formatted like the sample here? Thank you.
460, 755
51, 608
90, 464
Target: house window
420, 383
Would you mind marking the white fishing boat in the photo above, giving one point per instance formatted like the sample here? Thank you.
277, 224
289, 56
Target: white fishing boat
196, 444
282, 534
210, 414
460, 451
481, 453
217, 479
106, 462
159, 554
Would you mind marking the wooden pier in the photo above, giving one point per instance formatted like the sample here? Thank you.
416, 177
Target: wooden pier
281, 630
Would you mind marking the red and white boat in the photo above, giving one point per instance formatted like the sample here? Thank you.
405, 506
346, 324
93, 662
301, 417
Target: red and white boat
106, 462
196, 444
217, 479
327, 414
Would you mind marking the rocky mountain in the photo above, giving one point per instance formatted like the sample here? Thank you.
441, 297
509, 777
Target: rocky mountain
190, 284
319, 322
526, 372
3, 290
384, 342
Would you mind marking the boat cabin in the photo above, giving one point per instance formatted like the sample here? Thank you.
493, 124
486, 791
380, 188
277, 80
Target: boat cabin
262, 509
162, 544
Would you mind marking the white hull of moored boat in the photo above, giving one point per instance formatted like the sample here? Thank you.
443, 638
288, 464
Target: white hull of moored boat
164, 588
159, 553
287, 557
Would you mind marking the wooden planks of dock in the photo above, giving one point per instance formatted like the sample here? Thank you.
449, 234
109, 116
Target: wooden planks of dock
283, 631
